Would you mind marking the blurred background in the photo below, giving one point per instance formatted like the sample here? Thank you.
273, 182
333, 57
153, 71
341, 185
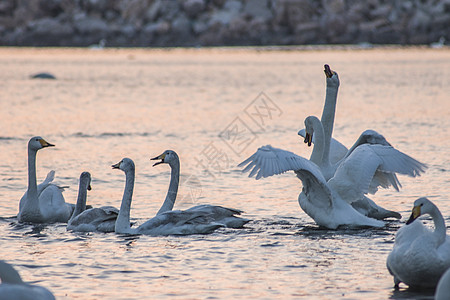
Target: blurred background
197, 23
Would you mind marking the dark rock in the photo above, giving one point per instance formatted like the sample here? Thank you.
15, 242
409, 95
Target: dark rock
193, 7
258, 9
43, 75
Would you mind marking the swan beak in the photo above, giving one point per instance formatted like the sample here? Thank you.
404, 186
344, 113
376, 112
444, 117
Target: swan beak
161, 157
328, 71
308, 139
89, 187
414, 215
44, 143
116, 166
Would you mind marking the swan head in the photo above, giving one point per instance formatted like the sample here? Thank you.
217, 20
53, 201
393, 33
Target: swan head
372, 137
332, 76
36, 143
421, 206
167, 157
309, 129
85, 180
125, 165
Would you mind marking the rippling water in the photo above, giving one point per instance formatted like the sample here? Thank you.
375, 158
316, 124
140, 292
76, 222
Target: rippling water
106, 105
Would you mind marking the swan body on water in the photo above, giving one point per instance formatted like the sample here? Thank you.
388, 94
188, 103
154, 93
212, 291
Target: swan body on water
44, 203
167, 221
101, 219
318, 199
12, 286
219, 214
420, 256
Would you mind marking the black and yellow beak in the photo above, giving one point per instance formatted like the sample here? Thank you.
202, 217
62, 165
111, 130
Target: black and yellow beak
116, 166
308, 139
44, 143
414, 215
328, 71
161, 157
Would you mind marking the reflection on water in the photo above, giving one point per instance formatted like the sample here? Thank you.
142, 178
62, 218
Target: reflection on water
106, 105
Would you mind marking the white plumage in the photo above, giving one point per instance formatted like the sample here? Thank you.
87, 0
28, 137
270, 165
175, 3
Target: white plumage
44, 203
317, 198
420, 256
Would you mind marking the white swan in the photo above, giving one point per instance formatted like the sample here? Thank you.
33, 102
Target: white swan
420, 256
317, 199
443, 287
165, 223
44, 203
101, 219
219, 214
12, 286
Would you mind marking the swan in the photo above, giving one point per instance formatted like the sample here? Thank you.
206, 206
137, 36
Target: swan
317, 199
44, 203
165, 223
420, 256
219, 214
12, 286
101, 219
443, 287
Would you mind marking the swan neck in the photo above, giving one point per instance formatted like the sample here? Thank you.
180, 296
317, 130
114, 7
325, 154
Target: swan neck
173, 188
317, 153
439, 226
329, 110
123, 219
32, 185
80, 206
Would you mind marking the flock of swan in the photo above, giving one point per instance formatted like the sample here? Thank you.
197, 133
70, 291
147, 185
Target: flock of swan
335, 181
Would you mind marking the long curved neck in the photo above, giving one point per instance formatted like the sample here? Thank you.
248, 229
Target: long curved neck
123, 219
32, 202
81, 200
8, 274
329, 110
318, 149
439, 226
173, 188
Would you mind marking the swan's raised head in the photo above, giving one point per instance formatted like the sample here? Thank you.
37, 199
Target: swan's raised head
125, 165
167, 157
421, 206
36, 143
85, 180
332, 76
309, 129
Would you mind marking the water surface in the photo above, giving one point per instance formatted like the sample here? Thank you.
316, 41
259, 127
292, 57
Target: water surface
110, 104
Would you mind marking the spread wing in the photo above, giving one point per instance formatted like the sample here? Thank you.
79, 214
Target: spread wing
371, 166
268, 161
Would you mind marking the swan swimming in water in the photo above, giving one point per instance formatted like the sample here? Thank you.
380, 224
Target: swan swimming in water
164, 223
12, 286
101, 219
219, 214
420, 256
44, 203
317, 199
